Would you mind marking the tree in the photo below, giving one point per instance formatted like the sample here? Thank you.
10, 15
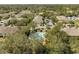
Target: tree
58, 41
74, 44
19, 44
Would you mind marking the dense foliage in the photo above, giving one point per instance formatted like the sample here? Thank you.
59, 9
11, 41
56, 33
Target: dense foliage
58, 42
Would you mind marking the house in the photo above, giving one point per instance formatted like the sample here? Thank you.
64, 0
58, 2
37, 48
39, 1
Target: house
61, 18
38, 20
41, 23
73, 31
67, 18
4, 30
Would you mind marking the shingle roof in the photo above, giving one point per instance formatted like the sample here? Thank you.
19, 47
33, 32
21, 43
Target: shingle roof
38, 19
61, 18
64, 18
7, 29
71, 31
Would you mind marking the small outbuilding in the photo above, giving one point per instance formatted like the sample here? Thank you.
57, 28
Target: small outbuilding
38, 36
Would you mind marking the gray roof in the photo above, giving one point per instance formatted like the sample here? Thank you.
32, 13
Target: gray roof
61, 18
71, 31
7, 29
38, 19
68, 18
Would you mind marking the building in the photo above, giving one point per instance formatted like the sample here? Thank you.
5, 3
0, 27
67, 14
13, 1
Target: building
67, 18
50, 24
38, 20
73, 31
4, 30
61, 18
38, 36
